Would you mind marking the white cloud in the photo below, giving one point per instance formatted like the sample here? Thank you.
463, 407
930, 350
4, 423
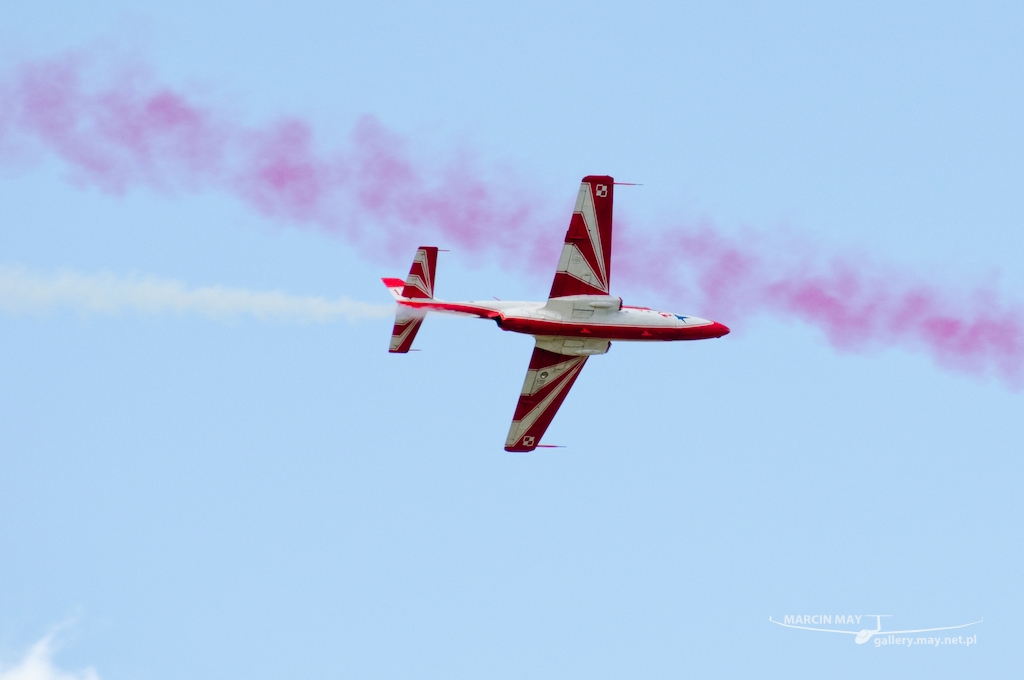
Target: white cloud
38, 665
22, 291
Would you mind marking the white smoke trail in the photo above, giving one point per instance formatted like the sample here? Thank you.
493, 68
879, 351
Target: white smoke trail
22, 291
38, 665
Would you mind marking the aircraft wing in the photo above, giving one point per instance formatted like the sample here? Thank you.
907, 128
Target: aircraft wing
585, 266
548, 381
820, 630
928, 630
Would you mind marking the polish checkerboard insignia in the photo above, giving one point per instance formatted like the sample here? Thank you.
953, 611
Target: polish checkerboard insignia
529, 440
602, 190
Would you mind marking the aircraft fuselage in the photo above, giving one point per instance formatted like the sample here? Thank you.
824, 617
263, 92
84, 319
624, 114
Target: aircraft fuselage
586, 317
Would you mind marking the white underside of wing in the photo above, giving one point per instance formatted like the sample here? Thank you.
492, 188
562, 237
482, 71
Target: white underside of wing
520, 426
925, 630
594, 231
573, 263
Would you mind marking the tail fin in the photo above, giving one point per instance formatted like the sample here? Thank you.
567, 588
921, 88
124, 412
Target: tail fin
418, 286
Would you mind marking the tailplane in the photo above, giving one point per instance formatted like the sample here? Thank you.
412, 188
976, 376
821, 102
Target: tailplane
419, 285
406, 328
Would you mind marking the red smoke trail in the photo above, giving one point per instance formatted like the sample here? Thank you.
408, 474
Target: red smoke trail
127, 132
859, 304
130, 132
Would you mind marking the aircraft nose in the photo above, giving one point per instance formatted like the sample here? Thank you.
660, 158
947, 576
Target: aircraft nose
718, 329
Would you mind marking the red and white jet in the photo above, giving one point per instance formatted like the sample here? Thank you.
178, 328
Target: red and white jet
579, 318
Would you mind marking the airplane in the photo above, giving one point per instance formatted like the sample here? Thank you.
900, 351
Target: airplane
579, 319
866, 634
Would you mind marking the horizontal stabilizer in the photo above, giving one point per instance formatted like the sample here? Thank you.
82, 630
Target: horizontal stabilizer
420, 284
406, 328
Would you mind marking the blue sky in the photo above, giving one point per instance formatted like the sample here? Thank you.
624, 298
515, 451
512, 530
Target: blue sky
192, 497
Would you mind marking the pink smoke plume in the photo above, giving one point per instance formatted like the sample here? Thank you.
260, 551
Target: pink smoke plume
858, 303
125, 131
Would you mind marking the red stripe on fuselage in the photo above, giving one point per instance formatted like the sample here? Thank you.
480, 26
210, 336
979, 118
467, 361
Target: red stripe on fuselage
453, 308
612, 332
